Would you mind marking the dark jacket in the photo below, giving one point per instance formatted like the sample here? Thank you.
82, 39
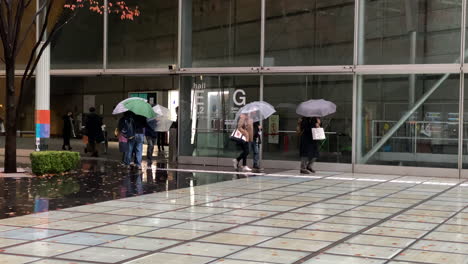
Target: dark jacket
308, 146
140, 124
257, 133
150, 129
93, 127
67, 126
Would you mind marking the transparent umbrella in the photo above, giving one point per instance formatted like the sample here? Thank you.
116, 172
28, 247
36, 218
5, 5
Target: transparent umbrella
257, 110
316, 108
161, 111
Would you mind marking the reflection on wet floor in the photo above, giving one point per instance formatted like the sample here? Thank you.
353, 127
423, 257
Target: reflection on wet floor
97, 181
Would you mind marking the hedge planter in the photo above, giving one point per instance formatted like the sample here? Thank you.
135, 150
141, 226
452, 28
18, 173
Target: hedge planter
54, 162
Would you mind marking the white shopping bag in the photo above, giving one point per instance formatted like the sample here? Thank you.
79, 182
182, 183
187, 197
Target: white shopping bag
318, 133
237, 136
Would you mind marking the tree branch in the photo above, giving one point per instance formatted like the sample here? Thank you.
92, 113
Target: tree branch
30, 27
17, 25
3, 30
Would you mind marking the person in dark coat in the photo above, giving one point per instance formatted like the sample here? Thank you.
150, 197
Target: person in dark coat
93, 127
309, 148
68, 130
151, 139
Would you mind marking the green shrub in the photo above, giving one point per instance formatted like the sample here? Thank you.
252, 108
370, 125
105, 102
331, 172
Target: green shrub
51, 162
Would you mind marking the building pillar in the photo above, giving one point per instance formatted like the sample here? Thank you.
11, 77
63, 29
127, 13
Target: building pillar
43, 100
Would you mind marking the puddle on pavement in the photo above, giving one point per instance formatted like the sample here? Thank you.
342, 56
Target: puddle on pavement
98, 181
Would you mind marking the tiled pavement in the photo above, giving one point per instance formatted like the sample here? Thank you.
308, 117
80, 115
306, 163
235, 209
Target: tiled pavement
327, 219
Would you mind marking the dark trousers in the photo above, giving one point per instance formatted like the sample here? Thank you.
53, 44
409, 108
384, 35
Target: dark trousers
244, 153
160, 137
151, 142
66, 141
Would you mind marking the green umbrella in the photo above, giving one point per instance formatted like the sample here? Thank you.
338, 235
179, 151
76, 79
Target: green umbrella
138, 106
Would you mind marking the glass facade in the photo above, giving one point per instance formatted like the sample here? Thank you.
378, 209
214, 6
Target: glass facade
318, 32
149, 41
392, 67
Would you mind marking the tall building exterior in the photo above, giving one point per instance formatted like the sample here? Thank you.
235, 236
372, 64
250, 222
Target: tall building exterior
394, 68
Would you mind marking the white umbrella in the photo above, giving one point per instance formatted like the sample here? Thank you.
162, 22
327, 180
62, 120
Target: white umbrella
161, 111
316, 108
257, 111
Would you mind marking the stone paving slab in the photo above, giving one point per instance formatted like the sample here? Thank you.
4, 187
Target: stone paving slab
326, 218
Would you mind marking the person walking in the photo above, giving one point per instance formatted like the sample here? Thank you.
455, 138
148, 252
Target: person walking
160, 135
94, 131
135, 145
255, 146
244, 126
151, 139
308, 146
68, 130
125, 132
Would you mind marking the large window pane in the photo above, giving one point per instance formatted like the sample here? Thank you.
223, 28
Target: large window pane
285, 93
149, 41
317, 32
428, 138
465, 125
213, 104
79, 44
225, 33
104, 93
393, 28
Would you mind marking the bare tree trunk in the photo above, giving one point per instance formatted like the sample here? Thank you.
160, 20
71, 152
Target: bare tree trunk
10, 126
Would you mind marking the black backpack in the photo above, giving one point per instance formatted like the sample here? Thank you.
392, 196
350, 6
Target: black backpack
128, 128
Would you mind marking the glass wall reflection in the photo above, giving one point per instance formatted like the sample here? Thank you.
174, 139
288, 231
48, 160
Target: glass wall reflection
80, 44
285, 93
427, 138
317, 32
409, 32
224, 33
149, 41
213, 103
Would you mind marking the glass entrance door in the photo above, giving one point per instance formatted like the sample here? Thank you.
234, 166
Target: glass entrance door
212, 107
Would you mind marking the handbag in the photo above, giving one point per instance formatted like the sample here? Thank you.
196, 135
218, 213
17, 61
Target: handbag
237, 136
318, 133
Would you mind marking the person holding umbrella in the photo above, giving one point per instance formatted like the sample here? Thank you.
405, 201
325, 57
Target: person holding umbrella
249, 117
245, 127
308, 149
141, 111
311, 111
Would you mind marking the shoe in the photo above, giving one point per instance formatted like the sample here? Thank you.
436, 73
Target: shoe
257, 169
304, 171
63, 147
69, 148
246, 169
310, 169
235, 163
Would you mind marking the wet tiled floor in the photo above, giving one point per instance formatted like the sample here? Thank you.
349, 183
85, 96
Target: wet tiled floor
323, 219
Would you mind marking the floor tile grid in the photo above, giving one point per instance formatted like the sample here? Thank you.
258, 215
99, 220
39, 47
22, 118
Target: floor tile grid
324, 200
283, 212
223, 230
151, 252
323, 250
429, 232
332, 197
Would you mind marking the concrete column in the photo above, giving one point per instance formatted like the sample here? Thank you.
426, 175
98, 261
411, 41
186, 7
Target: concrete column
43, 100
